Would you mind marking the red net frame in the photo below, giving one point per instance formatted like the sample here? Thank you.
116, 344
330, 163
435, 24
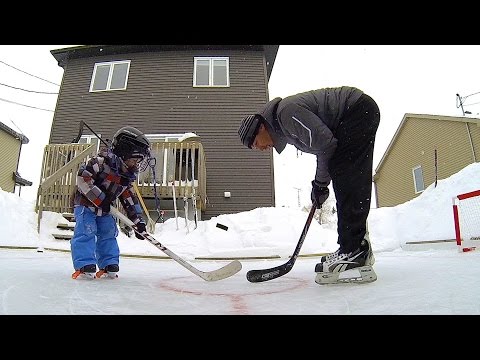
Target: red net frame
466, 216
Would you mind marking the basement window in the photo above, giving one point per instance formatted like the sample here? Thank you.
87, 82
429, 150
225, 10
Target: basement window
211, 72
110, 76
418, 179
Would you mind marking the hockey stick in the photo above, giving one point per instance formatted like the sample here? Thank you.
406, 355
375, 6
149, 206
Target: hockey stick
174, 195
175, 210
224, 272
194, 195
277, 271
185, 200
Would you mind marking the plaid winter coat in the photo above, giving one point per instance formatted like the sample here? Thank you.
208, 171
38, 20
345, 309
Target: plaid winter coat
102, 179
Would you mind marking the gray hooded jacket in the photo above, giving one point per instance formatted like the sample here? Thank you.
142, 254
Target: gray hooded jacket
308, 121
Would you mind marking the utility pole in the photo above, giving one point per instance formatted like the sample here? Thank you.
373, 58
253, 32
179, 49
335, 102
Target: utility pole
461, 101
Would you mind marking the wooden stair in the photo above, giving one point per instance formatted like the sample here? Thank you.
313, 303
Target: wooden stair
65, 226
62, 236
69, 216
68, 227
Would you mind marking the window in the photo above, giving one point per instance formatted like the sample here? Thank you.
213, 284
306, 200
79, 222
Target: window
90, 139
110, 76
418, 179
211, 72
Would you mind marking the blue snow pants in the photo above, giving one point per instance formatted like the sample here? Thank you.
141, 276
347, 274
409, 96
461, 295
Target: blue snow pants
94, 239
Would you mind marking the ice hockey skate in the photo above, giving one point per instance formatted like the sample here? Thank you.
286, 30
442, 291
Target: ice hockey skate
85, 272
352, 267
109, 271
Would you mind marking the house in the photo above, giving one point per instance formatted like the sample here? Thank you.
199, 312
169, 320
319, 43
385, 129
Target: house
10, 147
423, 150
166, 91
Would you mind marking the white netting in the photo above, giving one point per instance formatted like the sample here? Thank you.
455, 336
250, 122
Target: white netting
468, 206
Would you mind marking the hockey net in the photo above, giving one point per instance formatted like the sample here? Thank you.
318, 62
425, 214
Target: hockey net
466, 215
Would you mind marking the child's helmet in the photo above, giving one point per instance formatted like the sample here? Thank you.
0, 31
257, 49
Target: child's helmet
129, 142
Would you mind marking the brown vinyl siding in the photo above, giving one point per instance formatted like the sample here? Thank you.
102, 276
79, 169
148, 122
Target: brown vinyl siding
415, 145
10, 150
160, 99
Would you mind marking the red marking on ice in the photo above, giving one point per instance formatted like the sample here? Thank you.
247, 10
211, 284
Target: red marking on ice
238, 301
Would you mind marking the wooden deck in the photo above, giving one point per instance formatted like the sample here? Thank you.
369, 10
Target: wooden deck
178, 171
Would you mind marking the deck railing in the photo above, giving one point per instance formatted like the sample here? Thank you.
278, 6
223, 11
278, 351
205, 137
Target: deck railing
170, 174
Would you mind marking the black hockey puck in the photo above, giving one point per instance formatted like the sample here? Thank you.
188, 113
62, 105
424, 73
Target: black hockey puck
223, 227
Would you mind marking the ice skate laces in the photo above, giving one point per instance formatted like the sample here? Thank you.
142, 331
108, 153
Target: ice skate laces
335, 257
331, 255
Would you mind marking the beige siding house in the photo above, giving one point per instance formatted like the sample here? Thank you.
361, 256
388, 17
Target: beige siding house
424, 149
10, 147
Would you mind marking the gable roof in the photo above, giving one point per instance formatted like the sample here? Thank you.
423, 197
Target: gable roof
16, 135
421, 117
63, 55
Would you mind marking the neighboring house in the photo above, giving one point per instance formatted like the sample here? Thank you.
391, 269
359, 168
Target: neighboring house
10, 147
166, 90
424, 149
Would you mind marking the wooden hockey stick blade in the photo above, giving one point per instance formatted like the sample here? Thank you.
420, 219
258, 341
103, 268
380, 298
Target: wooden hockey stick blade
222, 273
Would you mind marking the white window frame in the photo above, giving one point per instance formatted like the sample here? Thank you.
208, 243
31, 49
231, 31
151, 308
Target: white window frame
211, 60
110, 75
87, 139
417, 170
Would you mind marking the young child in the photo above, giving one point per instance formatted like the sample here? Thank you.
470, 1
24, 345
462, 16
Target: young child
102, 180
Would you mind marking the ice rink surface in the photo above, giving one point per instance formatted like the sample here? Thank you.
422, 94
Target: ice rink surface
439, 282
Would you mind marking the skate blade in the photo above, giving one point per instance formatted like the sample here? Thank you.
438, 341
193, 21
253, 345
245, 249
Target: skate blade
77, 275
361, 275
103, 273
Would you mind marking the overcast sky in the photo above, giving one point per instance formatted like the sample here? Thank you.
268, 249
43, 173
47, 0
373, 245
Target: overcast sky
402, 79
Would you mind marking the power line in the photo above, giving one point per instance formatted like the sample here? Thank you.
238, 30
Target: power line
13, 67
33, 107
472, 103
464, 97
21, 132
38, 92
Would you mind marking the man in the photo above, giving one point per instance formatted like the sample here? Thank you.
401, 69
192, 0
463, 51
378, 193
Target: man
103, 179
338, 125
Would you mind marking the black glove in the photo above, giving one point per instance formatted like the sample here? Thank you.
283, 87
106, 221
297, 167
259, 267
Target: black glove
319, 194
105, 205
141, 228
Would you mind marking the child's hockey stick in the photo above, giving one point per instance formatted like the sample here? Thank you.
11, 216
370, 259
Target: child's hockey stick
224, 272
